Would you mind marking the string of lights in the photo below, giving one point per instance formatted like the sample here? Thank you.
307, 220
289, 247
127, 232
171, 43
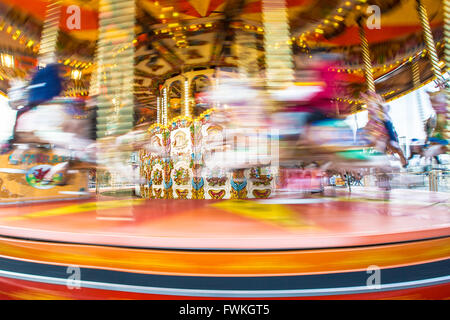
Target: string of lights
17, 34
186, 99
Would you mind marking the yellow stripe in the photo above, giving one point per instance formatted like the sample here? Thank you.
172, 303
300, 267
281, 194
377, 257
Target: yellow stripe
85, 207
317, 83
277, 214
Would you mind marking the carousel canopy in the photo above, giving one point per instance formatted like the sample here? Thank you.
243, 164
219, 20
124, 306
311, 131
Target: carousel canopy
175, 36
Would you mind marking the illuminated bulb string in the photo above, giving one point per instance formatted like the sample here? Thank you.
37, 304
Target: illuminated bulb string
94, 81
161, 109
158, 110
186, 98
165, 107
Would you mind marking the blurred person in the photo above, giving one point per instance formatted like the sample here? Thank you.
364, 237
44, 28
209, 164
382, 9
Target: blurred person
416, 147
333, 180
393, 136
379, 129
310, 129
358, 178
375, 131
308, 101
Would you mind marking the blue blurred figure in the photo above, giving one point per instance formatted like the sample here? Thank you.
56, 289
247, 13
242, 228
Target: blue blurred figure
46, 84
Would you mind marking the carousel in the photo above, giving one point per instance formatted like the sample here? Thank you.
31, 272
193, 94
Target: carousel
156, 217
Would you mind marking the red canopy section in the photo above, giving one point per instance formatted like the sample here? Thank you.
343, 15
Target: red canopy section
88, 15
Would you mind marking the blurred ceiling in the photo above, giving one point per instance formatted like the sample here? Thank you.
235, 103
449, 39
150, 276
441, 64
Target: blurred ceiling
175, 36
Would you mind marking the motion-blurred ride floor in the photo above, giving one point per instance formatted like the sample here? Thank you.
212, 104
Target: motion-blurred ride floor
338, 219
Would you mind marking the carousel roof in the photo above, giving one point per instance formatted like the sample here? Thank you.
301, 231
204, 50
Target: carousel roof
175, 36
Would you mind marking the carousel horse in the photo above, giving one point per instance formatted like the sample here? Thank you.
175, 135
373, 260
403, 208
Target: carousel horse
62, 125
314, 133
113, 152
434, 144
347, 156
305, 136
66, 125
44, 120
331, 143
305, 133
379, 131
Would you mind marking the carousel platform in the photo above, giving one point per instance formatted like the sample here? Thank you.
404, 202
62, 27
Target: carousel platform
321, 248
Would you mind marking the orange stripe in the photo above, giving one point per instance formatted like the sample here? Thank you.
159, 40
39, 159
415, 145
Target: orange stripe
227, 263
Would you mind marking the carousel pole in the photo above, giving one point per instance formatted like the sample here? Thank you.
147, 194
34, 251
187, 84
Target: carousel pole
367, 62
245, 44
416, 83
447, 62
337, 109
241, 53
93, 92
49, 36
216, 85
429, 41
366, 56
